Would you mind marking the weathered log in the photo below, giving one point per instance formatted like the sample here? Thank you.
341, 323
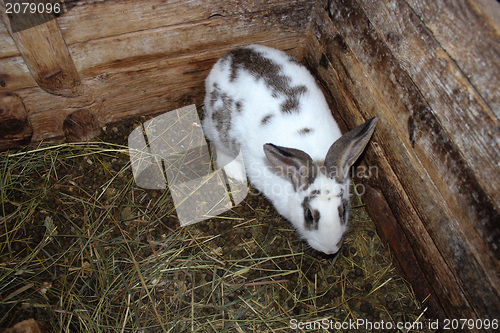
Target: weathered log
46, 55
81, 125
15, 127
439, 178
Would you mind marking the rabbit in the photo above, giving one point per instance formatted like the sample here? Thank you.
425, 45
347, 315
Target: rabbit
268, 120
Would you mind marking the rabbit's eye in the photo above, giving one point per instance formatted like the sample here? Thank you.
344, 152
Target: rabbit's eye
309, 215
311, 219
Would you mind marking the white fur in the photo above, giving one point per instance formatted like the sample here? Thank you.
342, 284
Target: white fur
282, 130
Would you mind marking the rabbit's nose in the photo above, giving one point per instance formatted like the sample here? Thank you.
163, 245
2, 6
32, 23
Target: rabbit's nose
334, 250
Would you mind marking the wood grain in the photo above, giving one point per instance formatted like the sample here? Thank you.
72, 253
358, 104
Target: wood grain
15, 127
370, 79
109, 54
151, 63
46, 56
91, 20
8, 48
140, 89
470, 34
14, 74
352, 106
447, 91
463, 164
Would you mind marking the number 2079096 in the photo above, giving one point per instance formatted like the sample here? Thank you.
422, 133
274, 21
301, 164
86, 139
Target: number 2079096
32, 8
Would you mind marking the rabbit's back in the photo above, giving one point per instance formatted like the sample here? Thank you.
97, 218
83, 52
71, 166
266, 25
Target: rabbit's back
257, 95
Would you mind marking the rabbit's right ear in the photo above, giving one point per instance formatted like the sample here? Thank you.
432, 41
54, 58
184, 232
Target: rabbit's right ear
346, 150
292, 163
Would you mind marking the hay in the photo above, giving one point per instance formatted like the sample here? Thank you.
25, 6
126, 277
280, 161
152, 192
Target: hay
84, 249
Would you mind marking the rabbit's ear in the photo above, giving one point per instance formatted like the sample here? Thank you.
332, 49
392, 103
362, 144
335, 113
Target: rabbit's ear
292, 163
346, 150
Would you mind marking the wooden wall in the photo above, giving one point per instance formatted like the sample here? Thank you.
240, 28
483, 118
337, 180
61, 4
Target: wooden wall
430, 70
115, 60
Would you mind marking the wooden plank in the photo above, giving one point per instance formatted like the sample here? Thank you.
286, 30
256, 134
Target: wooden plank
448, 92
335, 75
91, 20
470, 35
109, 54
166, 84
456, 141
456, 114
368, 72
49, 124
14, 75
47, 57
8, 48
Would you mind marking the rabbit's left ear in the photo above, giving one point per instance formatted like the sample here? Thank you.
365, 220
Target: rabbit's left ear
292, 163
346, 150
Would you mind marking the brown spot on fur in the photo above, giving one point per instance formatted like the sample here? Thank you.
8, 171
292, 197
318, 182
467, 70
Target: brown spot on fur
299, 90
305, 130
291, 104
214, 95
272, 74
314, 193
239, 107
222, 117
265, 120
259, 67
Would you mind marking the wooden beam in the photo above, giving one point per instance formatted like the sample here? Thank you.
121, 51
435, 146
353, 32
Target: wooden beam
46, 55
367, 78
93, 20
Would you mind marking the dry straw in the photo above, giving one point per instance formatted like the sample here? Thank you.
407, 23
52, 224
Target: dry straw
86, 250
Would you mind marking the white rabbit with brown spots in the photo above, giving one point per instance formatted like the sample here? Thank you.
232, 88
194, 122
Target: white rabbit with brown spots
269, 121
